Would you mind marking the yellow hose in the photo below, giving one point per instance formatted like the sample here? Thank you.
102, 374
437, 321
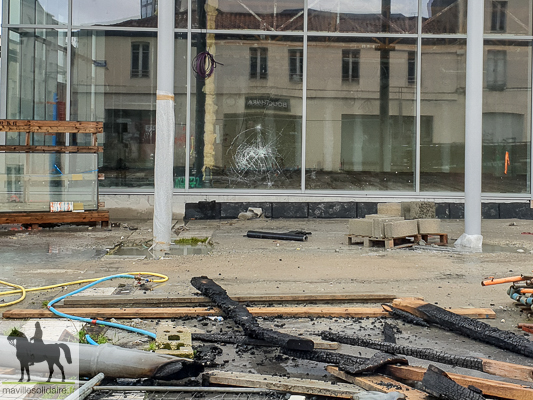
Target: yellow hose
22, 290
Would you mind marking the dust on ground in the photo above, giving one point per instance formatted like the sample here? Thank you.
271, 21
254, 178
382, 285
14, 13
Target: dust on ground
323, 264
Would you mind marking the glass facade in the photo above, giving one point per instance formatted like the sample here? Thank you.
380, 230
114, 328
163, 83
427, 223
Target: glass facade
323, 96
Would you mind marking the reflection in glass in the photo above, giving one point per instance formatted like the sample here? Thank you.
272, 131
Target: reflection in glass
33, 180
247, 128
109, 86
265, 15
363, 16
134, 13
508, 17
444, 16
41, 12
361, 114
442, 130
507, 117
37, 84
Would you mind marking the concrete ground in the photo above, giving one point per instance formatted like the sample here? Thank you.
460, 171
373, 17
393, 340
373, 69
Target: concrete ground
323, 264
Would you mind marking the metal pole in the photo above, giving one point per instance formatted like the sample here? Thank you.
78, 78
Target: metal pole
165, 127
473, 134
86, 389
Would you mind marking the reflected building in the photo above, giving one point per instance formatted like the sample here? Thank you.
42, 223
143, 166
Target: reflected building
339, 98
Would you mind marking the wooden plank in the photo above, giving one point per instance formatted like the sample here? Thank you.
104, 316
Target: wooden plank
55, 149
291, 312
51, 218
411, 304
379, 383
291, 385
115, 301
489, 387
18, 125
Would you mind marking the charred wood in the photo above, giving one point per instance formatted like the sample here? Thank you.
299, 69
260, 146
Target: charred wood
404, 316
241, 316
476, 330
347, 363
437, 383
420, 353
389, 335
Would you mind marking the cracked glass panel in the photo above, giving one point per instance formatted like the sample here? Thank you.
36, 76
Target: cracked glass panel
444, 16
507, 117
247, 116
363, 16
264, 15
361, 114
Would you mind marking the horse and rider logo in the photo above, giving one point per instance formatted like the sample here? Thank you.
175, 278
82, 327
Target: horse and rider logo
34, 351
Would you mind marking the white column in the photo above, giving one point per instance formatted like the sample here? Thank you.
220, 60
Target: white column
473, 134
165, 127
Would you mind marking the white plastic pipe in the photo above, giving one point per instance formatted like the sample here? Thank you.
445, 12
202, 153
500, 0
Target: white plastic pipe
165, 127
473, 127
86, 389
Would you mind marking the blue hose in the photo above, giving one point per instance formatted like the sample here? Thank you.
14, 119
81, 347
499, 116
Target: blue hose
90, 340
93, 321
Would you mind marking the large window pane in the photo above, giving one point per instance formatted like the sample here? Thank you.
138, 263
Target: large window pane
361, 114
42, 12
247, 115
266, 15
507, 117
444, 16
135, 13
508, 17
442, 130
363, 16
36, 86
114, 83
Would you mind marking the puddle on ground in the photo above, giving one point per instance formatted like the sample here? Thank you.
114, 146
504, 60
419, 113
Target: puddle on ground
47, 254
486, 248
146, 253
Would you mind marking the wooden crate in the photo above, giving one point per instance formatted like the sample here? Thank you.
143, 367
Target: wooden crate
390, 243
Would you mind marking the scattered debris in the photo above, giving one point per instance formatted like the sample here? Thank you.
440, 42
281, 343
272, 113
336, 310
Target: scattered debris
468, 327
499, 368
240, 315
439, 384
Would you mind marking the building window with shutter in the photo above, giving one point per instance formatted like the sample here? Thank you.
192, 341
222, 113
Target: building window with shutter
499, 16
411, 67
140, 60
258, 63
296, 65
496, 69
350, 65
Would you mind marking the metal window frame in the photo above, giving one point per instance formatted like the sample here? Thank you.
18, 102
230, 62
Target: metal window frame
305, 34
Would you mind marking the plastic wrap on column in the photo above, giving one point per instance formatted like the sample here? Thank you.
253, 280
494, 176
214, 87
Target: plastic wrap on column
164, 162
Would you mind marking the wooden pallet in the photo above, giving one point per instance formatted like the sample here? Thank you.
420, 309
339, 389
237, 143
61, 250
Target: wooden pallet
37, 218
390, 243
443, 238
355, 239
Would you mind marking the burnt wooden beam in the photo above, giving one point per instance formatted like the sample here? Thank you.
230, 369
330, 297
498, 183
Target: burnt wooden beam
242, 317
348, 363
468, 327
489, 387
493, 367
437, 383
404, 316
245, 340
389, 335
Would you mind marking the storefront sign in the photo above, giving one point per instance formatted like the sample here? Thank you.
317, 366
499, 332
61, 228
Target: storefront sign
267, 103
